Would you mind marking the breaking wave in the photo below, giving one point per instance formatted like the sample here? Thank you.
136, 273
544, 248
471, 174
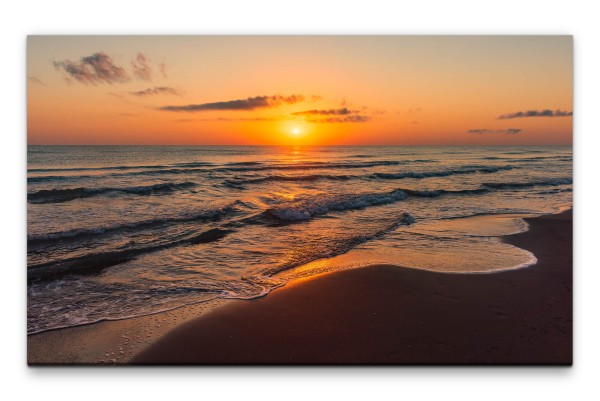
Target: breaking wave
69, 194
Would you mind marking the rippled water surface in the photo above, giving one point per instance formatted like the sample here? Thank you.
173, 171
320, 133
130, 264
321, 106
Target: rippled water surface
118, 231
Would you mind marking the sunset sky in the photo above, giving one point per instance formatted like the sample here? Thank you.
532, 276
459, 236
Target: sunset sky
300, 90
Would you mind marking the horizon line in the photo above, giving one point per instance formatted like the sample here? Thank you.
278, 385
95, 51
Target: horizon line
274, 145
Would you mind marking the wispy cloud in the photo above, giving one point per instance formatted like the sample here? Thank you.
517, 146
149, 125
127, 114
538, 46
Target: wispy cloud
342, 115
225, 119
35, 80
141, 68
163, 70
357, 118
95, 69
157, 90
337, 112
251, 103
508, 131
536, 113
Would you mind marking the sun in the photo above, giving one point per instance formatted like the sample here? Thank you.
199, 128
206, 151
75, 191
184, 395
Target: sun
295, 132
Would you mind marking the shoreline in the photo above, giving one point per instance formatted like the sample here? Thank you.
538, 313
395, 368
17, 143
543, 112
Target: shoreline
150, 339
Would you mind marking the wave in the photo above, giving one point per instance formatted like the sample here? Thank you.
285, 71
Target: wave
68, 194
202, 216
516, 185
340, 246
45, 178
555, 191
442, 173
532, 158
153, 172
322, 204
521, 152
187, 168
103, 168
96, 262
312, 166
244, 164
239, 183
192, 164
305, 209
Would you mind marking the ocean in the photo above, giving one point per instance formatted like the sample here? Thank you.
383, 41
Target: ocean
122, 231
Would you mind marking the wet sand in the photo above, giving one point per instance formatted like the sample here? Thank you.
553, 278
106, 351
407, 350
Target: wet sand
393, 315
109, 342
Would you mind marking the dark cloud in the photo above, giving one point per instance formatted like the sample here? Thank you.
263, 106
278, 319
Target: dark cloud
536, 113
346, 119
337, 112
251, 103
94, 69
35, 80
141, 68
508, 131
157, 90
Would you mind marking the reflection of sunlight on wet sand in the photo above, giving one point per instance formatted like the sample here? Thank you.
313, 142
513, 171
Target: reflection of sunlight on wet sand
475, 226
476, 248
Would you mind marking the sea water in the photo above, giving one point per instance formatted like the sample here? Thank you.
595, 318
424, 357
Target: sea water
121, 231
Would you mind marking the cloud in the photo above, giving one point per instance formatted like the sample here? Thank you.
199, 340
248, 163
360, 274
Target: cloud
251, 103
141, 68
343, 115
377, 112
346, 119
536, 113
157, 90
163, 70
94, 69
35, 80
508, 131
224, 119
116, 95
337, 112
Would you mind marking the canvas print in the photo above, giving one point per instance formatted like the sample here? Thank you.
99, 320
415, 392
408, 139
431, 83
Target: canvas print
299, 200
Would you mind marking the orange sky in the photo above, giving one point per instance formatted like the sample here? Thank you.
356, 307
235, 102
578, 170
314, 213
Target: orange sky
307, 90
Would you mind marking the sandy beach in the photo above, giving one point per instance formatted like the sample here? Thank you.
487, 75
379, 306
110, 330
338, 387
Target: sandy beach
374, 315
401, 316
